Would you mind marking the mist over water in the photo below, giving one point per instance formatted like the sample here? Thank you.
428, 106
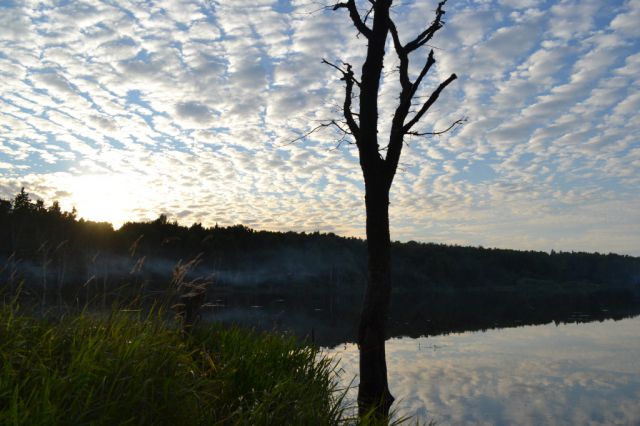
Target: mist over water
266, 269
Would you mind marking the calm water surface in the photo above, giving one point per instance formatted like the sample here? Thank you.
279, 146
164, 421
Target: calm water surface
566, 374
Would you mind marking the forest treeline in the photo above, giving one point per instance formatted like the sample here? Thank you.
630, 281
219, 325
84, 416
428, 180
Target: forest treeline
43, 244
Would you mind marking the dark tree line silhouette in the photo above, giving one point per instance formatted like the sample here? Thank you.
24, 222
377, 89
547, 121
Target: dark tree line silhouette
47, 245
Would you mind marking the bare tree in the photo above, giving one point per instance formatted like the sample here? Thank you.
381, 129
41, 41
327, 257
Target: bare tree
378, 170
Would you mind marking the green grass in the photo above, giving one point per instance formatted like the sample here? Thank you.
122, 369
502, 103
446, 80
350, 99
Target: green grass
134, 368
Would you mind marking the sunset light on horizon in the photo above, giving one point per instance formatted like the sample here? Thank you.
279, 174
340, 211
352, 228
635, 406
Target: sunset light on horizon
196, 109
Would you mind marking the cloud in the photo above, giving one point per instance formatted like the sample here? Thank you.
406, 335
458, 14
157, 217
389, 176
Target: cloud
14, 24
203, 100
57, 84
521, 4
195, 111
627, 23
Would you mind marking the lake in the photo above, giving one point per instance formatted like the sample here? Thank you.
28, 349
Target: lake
565, 374
492, 357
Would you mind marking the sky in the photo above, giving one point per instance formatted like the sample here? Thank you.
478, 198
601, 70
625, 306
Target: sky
130, 109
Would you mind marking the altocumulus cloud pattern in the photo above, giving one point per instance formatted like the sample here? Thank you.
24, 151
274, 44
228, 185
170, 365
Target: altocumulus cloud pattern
129, 109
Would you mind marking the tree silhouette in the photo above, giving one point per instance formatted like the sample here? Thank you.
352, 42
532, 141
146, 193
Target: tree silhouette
22, 202
379, 171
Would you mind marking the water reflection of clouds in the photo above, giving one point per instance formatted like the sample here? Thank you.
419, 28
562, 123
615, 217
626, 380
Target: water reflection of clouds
567, 374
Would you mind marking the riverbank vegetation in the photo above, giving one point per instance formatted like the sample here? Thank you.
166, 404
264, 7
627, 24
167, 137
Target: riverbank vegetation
130, 367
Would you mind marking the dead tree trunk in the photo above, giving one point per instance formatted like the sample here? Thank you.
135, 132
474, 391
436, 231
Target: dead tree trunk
374, 388
378, 173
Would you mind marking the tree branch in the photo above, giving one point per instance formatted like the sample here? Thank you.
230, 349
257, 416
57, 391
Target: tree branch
402, 55
409, 89
344, 131
423, 72
456, 123
366, 15
427, 34
344, 73
349, 79
434, 97
350, 5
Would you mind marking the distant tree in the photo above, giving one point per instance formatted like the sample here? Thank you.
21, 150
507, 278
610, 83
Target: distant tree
5, 208
55, 209
22, 202
161, 220
379, 171
72, 215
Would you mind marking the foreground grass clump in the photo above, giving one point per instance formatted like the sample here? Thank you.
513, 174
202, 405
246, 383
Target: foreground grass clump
129, 368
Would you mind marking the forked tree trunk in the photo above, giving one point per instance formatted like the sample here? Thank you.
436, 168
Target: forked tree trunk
373, 392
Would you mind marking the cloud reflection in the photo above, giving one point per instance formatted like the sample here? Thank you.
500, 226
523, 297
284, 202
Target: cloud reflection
568, 374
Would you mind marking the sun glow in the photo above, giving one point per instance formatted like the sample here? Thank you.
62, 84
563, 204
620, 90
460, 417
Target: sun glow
106, 198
